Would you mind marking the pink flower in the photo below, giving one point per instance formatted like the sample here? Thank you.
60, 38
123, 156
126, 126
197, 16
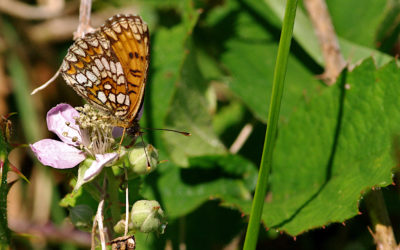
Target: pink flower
75, 144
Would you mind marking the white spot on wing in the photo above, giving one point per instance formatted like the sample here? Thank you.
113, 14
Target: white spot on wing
120, 71
117, 28
120, 113
65, 66
83, 44
79, 51
127, 101
99, 64
105, 63
137, 36
121, 98
71, 57
112, 67
93, 42
81, 78
121, 80
101, 96
96, 70
91, 76
133, 27
111, 97
107, 86
89, 84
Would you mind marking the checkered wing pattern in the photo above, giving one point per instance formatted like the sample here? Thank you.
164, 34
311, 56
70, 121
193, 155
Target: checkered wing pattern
108, 67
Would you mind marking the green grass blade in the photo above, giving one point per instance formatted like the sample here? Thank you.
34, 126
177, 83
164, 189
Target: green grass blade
273, 115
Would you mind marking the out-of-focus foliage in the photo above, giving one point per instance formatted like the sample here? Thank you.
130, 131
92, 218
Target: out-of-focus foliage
210, 74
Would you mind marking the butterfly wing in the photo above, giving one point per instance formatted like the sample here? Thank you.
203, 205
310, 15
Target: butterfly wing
109, 67
130, 42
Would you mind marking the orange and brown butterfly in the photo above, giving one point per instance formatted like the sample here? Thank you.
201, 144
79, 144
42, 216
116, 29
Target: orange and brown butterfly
108, 68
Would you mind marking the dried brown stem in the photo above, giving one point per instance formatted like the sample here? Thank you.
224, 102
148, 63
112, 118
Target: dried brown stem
241, 139
49, 9
321, 20
84, 19
383, 236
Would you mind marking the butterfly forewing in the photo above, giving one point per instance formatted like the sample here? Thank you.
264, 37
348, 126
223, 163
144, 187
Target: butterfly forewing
129, 38
109, 67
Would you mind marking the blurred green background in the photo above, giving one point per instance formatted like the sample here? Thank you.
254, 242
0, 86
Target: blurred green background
210, 73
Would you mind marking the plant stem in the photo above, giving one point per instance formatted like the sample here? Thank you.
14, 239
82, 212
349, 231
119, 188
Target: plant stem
273, 116
113, 198
5, 233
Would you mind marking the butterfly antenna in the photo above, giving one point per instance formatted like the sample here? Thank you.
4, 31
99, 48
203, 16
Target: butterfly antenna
145, 151
43, 86
170, 130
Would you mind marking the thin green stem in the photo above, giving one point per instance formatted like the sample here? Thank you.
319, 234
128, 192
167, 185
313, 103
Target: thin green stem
273, 116
5, 233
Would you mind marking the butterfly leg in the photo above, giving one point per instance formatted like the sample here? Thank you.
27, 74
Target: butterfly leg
122, 139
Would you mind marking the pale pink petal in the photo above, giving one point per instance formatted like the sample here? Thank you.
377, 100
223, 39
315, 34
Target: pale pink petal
57, 154
98, 164
57, 120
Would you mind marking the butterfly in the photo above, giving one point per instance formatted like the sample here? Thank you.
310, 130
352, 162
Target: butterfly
108, 68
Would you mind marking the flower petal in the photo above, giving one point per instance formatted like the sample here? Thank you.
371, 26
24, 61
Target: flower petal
57, 119
98, 164
57, 154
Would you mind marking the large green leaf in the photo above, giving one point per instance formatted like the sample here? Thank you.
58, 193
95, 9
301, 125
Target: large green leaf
190, 112
250, 59
345, 12
336, 146
167, 57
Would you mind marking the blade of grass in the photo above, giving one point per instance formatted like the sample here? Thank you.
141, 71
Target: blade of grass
273, 116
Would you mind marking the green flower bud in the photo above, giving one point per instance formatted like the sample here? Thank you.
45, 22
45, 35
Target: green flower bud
147, 216
139, 161
119, 228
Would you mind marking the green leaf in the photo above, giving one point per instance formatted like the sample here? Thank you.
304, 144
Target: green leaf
190, 112
344, 12
337, 146
168, 53
388, 29
251, 65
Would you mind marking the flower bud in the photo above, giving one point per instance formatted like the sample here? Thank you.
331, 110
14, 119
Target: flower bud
119, 228
142, 162
147, 216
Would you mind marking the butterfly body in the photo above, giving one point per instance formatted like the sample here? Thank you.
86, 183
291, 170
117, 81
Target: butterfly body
108, 68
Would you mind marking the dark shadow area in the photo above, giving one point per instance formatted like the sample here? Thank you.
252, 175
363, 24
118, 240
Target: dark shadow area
196, 175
